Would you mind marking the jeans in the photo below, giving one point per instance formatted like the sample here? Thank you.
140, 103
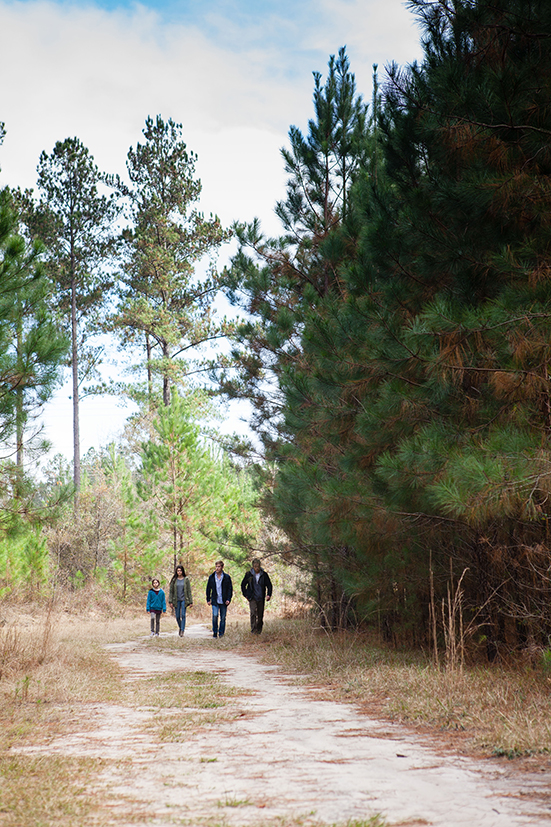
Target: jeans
180, 612
219, 609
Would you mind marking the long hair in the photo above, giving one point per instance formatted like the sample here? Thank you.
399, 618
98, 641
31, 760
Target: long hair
175, 575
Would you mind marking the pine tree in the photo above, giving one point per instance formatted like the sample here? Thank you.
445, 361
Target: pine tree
277, 281
33, 346
76, 223
197, 497
288, 285
162, 302
443, 337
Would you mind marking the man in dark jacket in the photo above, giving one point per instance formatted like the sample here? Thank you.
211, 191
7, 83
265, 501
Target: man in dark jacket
219, 595
256, 587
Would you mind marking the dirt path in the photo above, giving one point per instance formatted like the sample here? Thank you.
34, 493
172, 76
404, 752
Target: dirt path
285, 755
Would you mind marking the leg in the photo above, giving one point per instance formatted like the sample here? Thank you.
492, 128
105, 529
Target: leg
215, 619
222, 608
157, 623
253, 608
182, 617
259, 615
152, 616
179, 605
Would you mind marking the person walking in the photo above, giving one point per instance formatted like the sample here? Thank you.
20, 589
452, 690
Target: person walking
219, 595
156, 605
256, 587
179, 597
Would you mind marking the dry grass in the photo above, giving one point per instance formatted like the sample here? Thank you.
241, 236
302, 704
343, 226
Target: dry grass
183, 702
50, 664
184, 690
297, 820
38, 792
53, 665
502, 710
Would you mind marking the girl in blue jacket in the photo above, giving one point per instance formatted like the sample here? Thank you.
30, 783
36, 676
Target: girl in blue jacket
156, 605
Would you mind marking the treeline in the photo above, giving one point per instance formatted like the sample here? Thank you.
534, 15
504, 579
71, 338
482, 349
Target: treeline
395, 345
88, 255
398, 343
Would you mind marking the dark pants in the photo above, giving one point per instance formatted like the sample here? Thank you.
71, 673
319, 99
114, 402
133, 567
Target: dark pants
155, 622
257, 615
219, 609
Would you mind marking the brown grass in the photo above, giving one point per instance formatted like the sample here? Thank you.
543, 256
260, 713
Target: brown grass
53, 665
501, 710
37, 791
50, 662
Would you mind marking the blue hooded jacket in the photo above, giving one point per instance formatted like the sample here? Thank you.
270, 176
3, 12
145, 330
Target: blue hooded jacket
156, 601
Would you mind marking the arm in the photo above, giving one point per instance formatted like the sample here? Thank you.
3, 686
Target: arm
229, 591
209, 590
268, 583
187, 593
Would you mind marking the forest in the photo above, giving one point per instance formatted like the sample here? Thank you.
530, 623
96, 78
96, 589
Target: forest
393, 342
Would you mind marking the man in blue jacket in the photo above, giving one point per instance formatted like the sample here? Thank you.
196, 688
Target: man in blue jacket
219, 595
256, 587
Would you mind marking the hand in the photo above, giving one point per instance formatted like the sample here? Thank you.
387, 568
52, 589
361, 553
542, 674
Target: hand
227, 602
268, 596
208, 603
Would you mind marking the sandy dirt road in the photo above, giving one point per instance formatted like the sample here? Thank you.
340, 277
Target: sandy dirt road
285, 757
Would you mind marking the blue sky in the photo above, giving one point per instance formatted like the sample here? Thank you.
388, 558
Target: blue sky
235, 75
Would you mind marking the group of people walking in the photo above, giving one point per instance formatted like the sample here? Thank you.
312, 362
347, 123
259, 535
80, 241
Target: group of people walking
256, 587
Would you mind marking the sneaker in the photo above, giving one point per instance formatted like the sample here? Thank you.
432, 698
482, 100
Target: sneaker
181, 633
152, 634
156, 634
214, 634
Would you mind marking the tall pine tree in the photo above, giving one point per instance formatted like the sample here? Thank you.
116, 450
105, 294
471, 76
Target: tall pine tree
76, 223
163, 303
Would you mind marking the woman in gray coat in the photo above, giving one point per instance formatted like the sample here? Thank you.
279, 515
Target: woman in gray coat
179, 597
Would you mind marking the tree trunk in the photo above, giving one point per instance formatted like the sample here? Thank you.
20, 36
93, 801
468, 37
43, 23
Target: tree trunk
74, 365
166, 380
149, 374
19, 416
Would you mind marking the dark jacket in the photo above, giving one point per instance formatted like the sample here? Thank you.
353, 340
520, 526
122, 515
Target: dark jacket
264, 582
227, 588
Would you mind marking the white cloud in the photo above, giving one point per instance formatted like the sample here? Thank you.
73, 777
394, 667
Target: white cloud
97, 74
70, 70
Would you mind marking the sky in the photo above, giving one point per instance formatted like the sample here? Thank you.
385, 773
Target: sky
235, 74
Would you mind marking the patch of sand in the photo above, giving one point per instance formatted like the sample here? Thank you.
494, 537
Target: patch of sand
287, 755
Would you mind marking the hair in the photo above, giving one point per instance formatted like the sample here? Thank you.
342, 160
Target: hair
157, 579
255, 560
221, 562
179, 566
